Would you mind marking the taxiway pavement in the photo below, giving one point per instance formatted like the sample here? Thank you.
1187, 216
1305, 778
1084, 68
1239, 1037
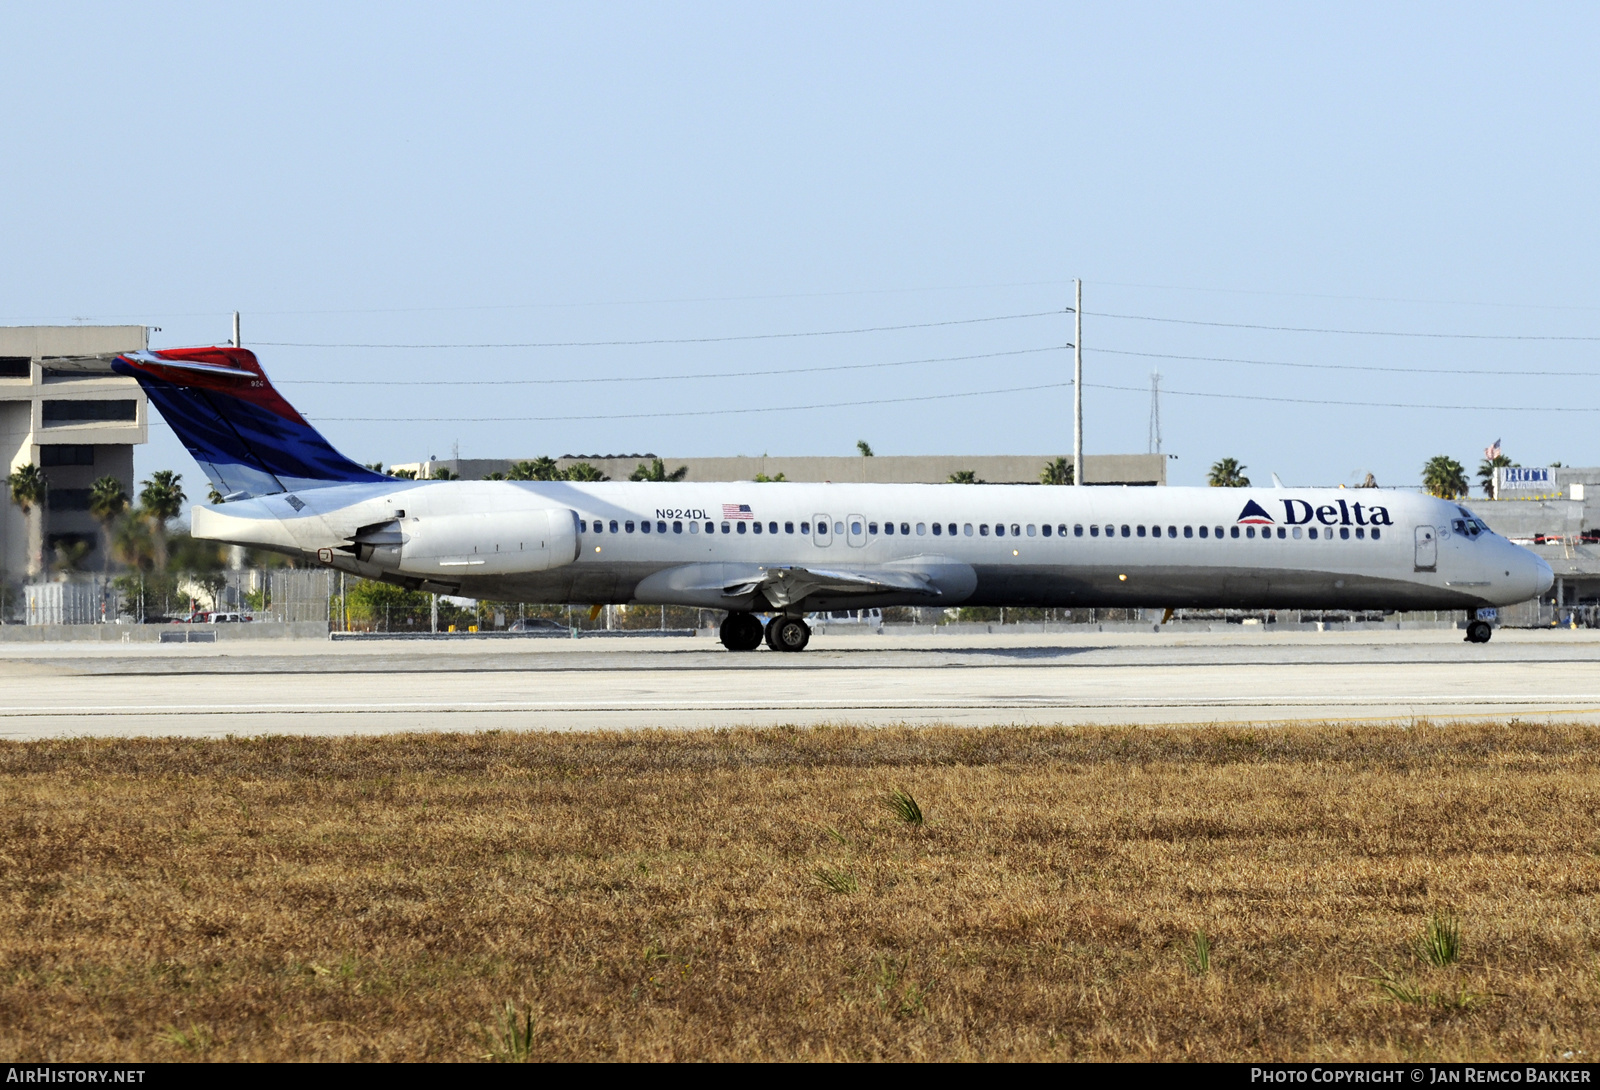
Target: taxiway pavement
327, 687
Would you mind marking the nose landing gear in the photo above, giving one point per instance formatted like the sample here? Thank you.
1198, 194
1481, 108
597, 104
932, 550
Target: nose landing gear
1479, 631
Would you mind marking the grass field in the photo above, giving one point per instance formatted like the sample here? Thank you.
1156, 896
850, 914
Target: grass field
1070, 893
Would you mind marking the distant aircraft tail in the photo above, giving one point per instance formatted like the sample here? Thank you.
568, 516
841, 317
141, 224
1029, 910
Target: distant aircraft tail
247, 438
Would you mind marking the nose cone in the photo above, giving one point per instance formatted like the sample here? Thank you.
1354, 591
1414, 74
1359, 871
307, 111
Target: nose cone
1544, 578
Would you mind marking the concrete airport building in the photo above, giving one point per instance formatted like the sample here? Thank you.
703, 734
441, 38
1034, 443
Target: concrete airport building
76, 427
1129, 469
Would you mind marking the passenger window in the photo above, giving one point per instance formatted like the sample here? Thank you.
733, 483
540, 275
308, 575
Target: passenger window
741, 527
613, 526
1094, 531
755, 527
1172, 531
855, 528
677, 527
726, 528
1360, 532
966, 528
788, 528
711, 528
583, 526
938, 528
772, 527
983, 529
951, 530
1313, 533
1045, 528
805, 527
872, 528
1249, 531
1374, 533
920, 528
1124, 530
1280, 533
1202, 531
694, 527
888, 528
1077, 531
1188, 531
1297, 533
628, 526
1141, 530
661, 527
1344, 533
905, 527
644, 527
838, 528
999, 529
1233, 532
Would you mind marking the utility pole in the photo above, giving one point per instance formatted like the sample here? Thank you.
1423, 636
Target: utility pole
1154, 445
1077, 384
236, 343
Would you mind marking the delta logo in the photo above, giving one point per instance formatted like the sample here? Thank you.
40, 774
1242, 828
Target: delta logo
1299, 512
1254, 515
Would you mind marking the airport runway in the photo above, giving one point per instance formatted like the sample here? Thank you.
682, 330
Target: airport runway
317, 687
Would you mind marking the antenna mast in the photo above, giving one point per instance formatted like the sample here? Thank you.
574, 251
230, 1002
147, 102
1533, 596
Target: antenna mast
1155, 412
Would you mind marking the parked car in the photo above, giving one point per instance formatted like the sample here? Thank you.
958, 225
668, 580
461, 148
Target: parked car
534, 626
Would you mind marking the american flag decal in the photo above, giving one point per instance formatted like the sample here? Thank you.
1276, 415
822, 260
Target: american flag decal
736, 511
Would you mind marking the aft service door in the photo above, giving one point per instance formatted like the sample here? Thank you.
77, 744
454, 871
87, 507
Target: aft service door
821, 526
1427, 548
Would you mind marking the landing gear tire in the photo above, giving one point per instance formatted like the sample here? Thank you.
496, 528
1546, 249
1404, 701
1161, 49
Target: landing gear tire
1479, 632
788, 634
741, 632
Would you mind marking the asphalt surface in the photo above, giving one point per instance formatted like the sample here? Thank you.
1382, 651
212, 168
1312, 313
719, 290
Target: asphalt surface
327, 687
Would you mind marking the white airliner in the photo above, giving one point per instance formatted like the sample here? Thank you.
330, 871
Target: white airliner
787, 549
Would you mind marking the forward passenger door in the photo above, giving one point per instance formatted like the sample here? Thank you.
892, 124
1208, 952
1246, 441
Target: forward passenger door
1427, 548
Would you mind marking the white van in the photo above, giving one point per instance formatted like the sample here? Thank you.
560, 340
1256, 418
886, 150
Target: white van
865, 618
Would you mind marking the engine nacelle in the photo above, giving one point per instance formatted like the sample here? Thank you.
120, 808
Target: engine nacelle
461, 546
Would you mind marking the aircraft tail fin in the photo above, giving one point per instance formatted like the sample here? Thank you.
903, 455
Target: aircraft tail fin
247, 438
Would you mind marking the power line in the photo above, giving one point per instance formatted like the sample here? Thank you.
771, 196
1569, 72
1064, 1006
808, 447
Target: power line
1353, 404
1344, 366
658, 378
680, 340
949, 397
1347, 332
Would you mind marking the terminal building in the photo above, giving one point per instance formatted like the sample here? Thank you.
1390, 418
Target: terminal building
75, 426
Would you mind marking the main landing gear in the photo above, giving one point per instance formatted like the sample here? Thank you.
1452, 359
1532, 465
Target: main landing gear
744, 632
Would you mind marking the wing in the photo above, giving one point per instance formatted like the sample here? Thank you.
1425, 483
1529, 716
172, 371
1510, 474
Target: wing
786, 586
746, 586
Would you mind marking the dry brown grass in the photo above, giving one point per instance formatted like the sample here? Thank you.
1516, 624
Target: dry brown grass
751, 895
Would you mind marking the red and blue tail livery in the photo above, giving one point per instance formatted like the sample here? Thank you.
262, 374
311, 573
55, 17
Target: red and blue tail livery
247, 438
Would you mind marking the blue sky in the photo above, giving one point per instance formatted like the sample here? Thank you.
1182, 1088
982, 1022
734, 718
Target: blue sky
524, 174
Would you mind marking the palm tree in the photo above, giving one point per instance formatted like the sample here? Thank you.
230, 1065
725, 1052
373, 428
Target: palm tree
69, 554
28, 488
1444, 477
1057, 472
657, 471
865, 448
445, 473
540, 469
496, 476
1228, 473
1486, 472
160, 501
583, 471
107, 502
964, 476
762, 478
